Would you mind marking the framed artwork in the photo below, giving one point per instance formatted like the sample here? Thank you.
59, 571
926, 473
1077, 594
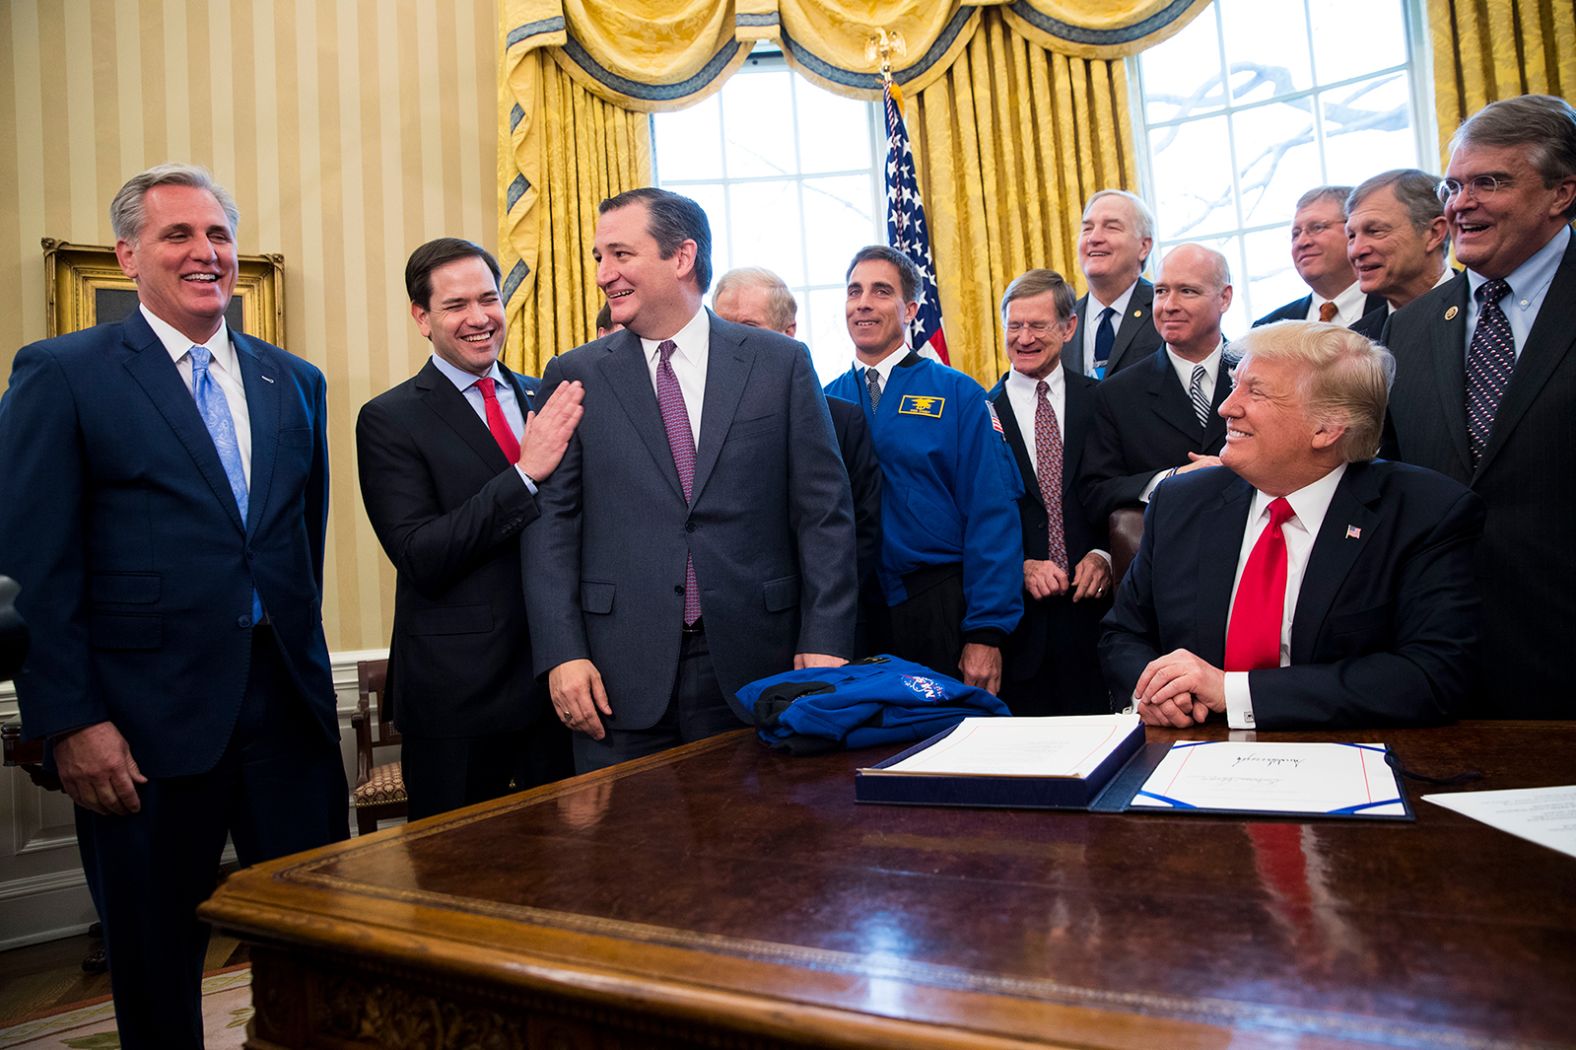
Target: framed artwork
85, 286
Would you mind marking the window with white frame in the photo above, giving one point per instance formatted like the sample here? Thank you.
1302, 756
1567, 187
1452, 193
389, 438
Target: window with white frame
1257, 101
791, 179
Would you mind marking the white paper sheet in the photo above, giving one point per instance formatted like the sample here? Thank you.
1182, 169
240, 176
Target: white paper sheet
1546, 816
1328, 779
1069, 746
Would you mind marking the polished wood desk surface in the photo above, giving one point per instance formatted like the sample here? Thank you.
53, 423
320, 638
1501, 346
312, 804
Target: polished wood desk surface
725, 887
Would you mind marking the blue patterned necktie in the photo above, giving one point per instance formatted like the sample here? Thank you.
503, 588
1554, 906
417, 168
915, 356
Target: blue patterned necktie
1104, 339
215, 412
1490, 360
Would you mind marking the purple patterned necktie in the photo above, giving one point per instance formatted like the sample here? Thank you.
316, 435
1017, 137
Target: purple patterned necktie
1048, 469
1490, 360
675, 420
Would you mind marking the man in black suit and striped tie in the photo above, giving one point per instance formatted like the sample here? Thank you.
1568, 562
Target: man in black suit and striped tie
1158, 418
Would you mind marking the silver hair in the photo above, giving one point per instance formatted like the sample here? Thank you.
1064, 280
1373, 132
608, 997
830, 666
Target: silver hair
1143, 218
780, 303
1543, 125
1338, 194
127, 215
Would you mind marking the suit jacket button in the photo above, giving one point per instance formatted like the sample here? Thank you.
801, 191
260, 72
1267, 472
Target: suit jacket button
689, 526
678, 588
243, 622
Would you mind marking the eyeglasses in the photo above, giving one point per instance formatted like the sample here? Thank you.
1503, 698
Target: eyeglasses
1313, 229
1037, 327
1482, 187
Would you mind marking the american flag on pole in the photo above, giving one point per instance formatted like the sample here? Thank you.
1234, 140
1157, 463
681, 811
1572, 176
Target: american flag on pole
906, 230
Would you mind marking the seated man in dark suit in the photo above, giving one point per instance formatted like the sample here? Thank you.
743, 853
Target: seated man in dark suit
758, 298
1318, 251
1396, 237
1306, 584
1158, 417
1113, 329
1046, 411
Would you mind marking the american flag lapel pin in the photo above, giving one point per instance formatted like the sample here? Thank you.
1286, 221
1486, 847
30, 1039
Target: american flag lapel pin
1353, 532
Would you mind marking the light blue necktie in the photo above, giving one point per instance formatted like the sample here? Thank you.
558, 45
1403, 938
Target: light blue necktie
215, 411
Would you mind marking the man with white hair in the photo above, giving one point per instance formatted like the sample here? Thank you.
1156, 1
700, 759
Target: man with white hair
1114, 327
1306, 584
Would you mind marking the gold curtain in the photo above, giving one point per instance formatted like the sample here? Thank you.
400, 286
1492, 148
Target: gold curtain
1009, 143
1487, 50
1017, 112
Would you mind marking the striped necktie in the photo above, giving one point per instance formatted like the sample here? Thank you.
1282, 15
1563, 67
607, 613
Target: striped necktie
1195, 393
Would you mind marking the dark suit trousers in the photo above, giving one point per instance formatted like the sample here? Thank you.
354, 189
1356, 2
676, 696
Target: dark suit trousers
278, 788
446, 773
695, 711
927, 626
1068, 679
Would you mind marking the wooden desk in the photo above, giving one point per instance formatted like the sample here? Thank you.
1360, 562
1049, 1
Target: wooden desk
721, 895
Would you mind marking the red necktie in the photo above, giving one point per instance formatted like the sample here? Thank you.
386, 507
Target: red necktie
1254, 637
501, 431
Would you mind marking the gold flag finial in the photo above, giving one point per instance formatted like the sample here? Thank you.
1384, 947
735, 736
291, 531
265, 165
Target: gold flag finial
882, 47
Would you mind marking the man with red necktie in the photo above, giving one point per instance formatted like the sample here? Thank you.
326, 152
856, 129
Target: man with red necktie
450, 460
1302, 583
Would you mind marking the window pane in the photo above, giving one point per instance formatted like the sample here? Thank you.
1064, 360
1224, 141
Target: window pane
1181, 77
1368, 128
1192, 194
767, 228
713, 200
1278, 159
840, 218
1271, 281
1353, 37
1267, 48
757, 110
825, 328
689, 142
834, 132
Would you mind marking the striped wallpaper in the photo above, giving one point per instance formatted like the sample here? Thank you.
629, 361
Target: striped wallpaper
350, 131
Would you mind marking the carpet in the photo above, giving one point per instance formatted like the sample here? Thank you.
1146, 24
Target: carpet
226, 1007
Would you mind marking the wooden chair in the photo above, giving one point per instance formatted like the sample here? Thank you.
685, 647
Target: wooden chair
1126, 526
380, 789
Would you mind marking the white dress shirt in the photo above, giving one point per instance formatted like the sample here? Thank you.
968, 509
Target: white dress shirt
1529, 283
1184, 370
513, 412
1309, 505
1024, 397
1348, 306
689, 364
1091, 323
225, 371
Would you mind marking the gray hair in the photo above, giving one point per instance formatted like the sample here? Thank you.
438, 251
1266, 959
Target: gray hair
1143, 218
1038, 282
127, 215
1348, 377
1418, 192
1338, 194
781, 307
1543, 125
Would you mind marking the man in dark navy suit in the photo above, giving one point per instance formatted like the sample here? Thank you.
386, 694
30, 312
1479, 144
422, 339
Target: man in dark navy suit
1318, 252
1302, 583
450, 460
1396, 237
1115, 328
163, 503
1046, 412
1485, 388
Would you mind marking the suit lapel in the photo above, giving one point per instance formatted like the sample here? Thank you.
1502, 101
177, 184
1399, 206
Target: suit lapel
624, 365
1547, 344
1447, 341
260, 378
1171, 402
1334, 553
526, 397
150, 366
1079, 412
1215, 429
1017, 442
1132, 322
727, 372
445, 400
1220, 537
1072, 349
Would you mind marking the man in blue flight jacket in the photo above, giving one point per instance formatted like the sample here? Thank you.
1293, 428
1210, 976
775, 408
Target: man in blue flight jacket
952, 552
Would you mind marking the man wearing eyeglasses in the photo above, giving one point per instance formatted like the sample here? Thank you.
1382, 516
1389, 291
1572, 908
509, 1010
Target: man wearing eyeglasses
1318, 252
1046, 410
1485, 388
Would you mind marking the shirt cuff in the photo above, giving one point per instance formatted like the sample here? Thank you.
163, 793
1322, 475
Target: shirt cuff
1154, 483
530, 483
1104, 554
1239, 701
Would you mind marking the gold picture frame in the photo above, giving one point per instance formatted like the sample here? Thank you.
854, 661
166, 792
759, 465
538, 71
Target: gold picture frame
85, 286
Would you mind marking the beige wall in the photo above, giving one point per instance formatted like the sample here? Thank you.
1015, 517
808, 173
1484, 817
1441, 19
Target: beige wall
349, 131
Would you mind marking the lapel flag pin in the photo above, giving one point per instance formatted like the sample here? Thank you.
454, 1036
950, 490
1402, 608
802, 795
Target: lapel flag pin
265, 378
1450, 314
1353, 532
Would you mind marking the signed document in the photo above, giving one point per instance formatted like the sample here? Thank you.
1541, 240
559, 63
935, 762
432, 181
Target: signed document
1067, 746
1333, 780
1546, 816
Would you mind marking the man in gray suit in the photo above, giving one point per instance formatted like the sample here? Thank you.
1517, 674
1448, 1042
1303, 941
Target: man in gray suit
698, 533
